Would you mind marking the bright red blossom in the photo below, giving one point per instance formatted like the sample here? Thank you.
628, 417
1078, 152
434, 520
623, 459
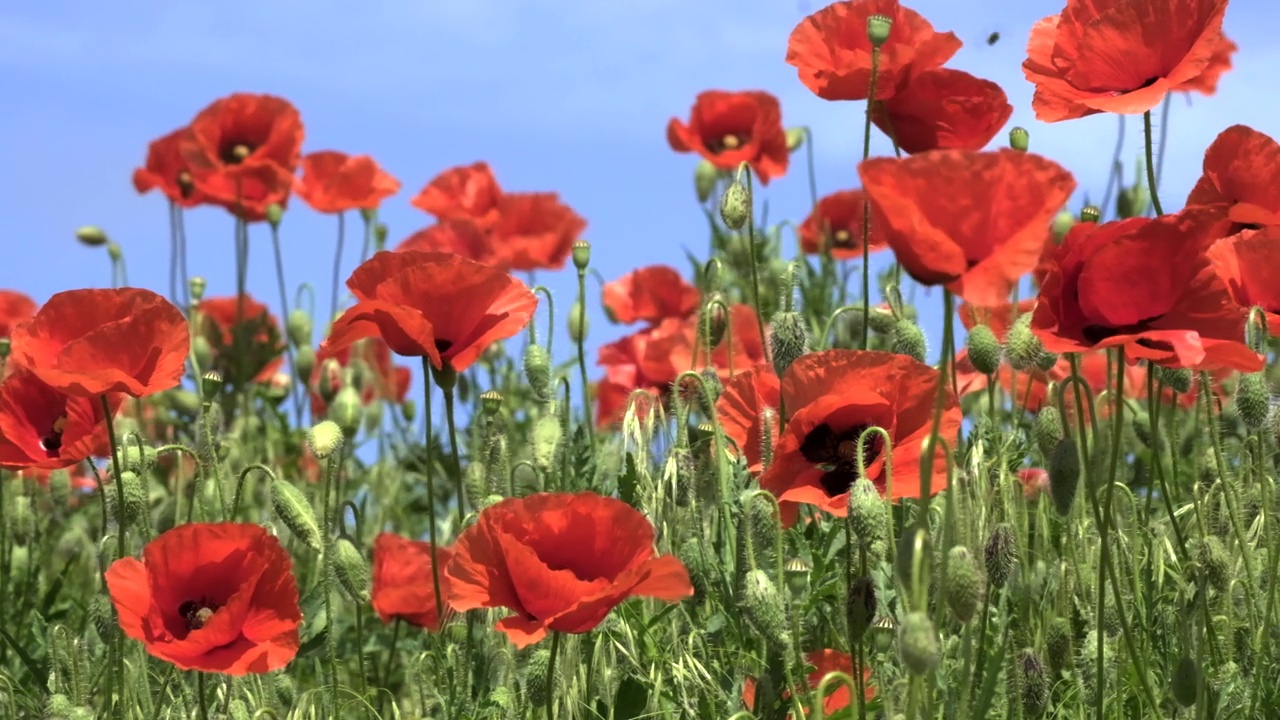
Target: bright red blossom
167, 170
730, 128
1122, 56
832, 52
824, 663
1248, 264
92, 342
469, 192
434, 305
536, 231
975, 222
559, 561
257, 354
837, 220
403, 587
334, 182
460, 237
42, 428
1241, 178
217, 598
371, 359
15, 307
741, 411
650, 294
944, 109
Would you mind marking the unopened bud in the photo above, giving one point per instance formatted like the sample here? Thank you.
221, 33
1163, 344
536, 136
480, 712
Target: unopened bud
868, 514
324, 439
299, 328
984, 350
918, 644
1062, 223
1034, 683
540, 679
347, 410
735, 205
908, 339
537, 369
92, 236
878, 28
114, 251
762, 605
577, 323
1253, 400
1132, 201
202, 351
705, 176
275, 213
1047, 431
795, 138
1019, 139
135, 499
714, 321
409, 410
1178, 380
965, 584
1001, 554
788, 340
352, 570
581, 254
1022, 347
380, 233
1059, 643
1064, 475
1184, 684
294, 511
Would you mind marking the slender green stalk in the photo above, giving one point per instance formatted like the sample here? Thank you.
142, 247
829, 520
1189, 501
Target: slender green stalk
327, 577
744, 170
337, 268
204, 696
298, 382
1151, 167
429, 472
121, 550
582, 356
866, 203
550, 706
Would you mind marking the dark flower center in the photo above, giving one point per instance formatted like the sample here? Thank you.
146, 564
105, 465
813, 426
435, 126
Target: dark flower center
235, 152
727, 142
185, 184
442, 346
1097, 333
197, 612
52, 442
837, 453
841, 238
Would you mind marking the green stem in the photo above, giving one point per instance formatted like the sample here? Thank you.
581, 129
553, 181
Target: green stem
429, 471
204, 697
337, 269
582, 356
298, 382
1151, 167
550, 706
121, 545
327, 576
743, 169
866, 204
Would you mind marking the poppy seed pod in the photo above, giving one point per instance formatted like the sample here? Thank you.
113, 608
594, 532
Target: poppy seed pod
1253, 400
1022, 347
1062, 222
351, 570
274, 213
294, 511
1090, 214
795, 138
347, 411
324, 438
965, 584
577, 323
705, 176
1001, 554
878, 29
1019, 139
762, 605
918, 644
299, 327
537, 370
735, 205
91, 236
908, 339
796, 575
581, 254
861, 607
491, 402
984, 350
788, 340
1064, 475
1184, 684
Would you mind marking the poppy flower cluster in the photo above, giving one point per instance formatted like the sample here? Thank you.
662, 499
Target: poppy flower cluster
477, 219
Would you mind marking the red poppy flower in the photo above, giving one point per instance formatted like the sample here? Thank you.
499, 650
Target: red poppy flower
739, 350
1121, 56
536, 231
402, 584
741, 407
243, 150
651, 294
459, 236
840, 214
1206, 83
824, 663
629, 366
1035, 481
92, 342
469, 192
559, 561
370, 362
943, 109
167, 170
972, 221
14, 309
213, 597
255, 356
1249, 265
1145, 285
334, 182
44, 428
434, 305
831, 398
832, 52
1241, 177
730, 128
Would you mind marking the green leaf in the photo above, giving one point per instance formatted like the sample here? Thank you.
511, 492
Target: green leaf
631, 700
629, 481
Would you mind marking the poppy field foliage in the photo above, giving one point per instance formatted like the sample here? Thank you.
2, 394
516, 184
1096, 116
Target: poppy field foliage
767, 498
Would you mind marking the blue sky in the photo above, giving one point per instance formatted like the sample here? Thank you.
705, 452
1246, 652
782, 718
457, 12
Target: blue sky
571, 96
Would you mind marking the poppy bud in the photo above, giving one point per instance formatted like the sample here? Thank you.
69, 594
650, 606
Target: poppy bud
237, 710
984, 350
60, 487
547, 433
503, 698
299, 327
60, 707
1212, 564
878, 27
1062, 222
711, 273
908, 339
1019, 139
446, 378
202, 351
497, 471
861, 607
1047, 431
796, 573
918, 644
1253, 400
137, 457
868, 515
1034, 683
1001, 554
795, 138
351, 570
304, 361
768, 419
882, 320
1046, 360
1255, 330
1058, 641
491, 402
1022, 347
135, 499
1064, 475
22, 520
577, 323
540, 679
758, 518
705, 176
1184, 684
1177, 379
330, 380
788, 340
965, 584
735, 205
1090, 214
285, 689
581, 254
714, 323
762, 605
1141, 423
324, 438
91, 236
697, 561
275, 213
711, 382
373, 415
295, 512
380, 233
197, 286
347, 411
537, 370
115, 252
908, 554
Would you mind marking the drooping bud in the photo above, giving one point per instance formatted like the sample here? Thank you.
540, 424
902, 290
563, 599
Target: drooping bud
868, 515
705, 176
92, 236
275, 213
1059, 643
581, 254
1047, 430
1019, 139
762, 605
304, 362
351, 569
1212, 563
1034, 682
135, 499
1022, 347
1064, 475
114, 251
299, 327
324, 438
330, 380
795, 138
984, 350
861, 607
293, 510
908, 339
713, 322
537, 370
1253, 400
735, 205
540, 680
1001, 554
577, 323
202, 351
1184, 684
347, 411
788, 340
918, 644
702, 572
965, 584
1090, 214
1178, 380
878, 29
1062, 223
547, 433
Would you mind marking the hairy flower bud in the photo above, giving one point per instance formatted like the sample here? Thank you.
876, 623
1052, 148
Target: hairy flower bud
1253, 400
1047, 430
1059, 642
1184, 684
1064, 475
984, 350
537, 370
762, 605
1062, 222
965, 584
795, 138
735, 205
697, 559
91, 236
918, 644
347, 411
324, 438
1022, 347
1001, 554
577, 323
705, 177
136, 500
294, 511
299, 328
788, 340
351, 570
1034, 683
540, 679
868, 515
908, 339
